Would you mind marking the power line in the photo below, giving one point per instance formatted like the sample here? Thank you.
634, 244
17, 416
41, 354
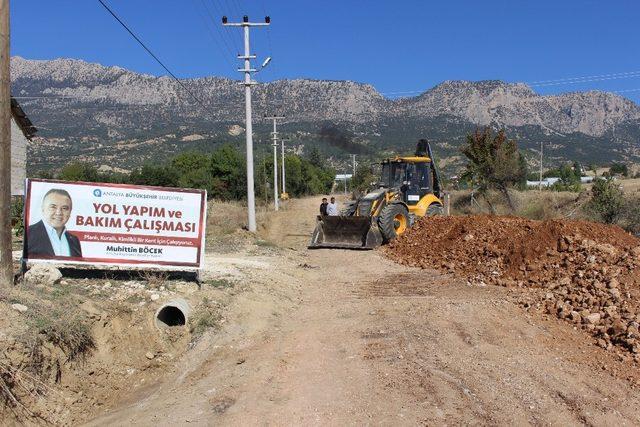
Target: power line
626, 90
210, 31
586, 77
555, 82
150, 52
232, 9
224, 35
238, 7
269, 42
586, 80
47, 97
398, 93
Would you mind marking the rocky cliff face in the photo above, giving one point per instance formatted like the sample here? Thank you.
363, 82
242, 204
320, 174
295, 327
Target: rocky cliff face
90, 102
486, 102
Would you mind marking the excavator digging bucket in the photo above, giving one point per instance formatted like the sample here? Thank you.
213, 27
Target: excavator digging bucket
345, 232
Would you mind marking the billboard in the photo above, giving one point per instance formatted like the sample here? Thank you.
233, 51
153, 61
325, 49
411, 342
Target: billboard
114, 224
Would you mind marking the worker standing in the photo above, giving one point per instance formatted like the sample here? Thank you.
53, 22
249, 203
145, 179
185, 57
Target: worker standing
323, 207
332, 207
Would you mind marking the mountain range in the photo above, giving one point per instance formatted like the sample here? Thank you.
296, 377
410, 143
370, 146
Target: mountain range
119, 119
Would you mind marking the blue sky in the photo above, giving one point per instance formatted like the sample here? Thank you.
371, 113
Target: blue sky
397, 46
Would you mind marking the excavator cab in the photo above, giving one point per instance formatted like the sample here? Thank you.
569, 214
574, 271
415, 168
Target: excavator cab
409, 188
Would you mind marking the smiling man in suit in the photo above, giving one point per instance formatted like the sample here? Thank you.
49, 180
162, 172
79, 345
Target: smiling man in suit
49, 236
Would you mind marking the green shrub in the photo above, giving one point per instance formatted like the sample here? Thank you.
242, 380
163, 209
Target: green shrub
619, 169
17, 215
630, 219
607, 200
363, 177
79, 171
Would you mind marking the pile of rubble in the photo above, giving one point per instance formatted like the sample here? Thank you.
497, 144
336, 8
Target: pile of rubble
586, 273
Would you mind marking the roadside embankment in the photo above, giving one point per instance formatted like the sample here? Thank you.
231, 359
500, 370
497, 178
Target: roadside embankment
586, 273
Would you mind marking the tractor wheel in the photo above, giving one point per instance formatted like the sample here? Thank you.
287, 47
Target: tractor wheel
435, 209
393, 221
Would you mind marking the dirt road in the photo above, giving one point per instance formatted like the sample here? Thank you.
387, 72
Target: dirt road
347, 337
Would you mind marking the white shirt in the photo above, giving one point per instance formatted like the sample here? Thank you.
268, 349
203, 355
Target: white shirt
60, 244
332, 209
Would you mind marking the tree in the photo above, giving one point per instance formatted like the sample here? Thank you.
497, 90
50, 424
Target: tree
194, 171
619, 169
577, 170
79, 171
156, 175
315, 158
494, 162
363, 177
607, 200
189, 161
229, 175
569, 178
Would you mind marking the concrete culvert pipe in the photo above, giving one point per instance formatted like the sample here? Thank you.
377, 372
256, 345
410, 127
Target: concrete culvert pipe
173, 313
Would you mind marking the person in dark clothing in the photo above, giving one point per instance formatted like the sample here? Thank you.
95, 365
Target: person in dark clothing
323, 207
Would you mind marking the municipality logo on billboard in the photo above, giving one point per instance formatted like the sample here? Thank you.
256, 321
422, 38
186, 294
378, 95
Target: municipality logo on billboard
97, 192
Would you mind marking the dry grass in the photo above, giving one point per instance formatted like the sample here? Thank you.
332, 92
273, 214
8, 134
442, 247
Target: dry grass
228, 217
227, 221
52, 331
631, 186
530, 204
16, 385
154, 278
548, 204
205, 316
224, 218
66, 330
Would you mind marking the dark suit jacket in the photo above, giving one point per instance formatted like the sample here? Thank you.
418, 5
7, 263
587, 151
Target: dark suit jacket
38, 242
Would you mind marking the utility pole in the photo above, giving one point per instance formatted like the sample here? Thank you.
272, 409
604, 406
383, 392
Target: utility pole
6, 257
275, 158
247, 70
540, 182
353, 160
284, 188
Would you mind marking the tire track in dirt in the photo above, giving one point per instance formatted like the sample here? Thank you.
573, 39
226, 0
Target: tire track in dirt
363, 340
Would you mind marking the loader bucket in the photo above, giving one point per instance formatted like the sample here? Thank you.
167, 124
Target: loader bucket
345, 232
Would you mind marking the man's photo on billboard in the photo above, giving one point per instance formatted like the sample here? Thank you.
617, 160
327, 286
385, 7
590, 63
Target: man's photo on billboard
49, 237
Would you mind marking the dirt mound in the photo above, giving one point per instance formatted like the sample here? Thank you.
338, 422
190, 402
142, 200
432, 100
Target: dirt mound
588, 273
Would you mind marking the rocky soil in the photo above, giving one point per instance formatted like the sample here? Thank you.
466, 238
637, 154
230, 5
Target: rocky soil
333, 337
585, 273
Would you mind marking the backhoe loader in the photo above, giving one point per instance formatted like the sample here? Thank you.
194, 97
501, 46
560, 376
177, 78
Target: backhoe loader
408, 189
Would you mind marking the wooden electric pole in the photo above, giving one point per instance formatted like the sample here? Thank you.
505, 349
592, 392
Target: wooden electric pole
6, 258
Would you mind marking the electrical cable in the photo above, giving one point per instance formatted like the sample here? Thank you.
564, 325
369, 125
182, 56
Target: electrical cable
151, 53
586, 80
557, 82
231, 11
213, 36
586, 77
229, 42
